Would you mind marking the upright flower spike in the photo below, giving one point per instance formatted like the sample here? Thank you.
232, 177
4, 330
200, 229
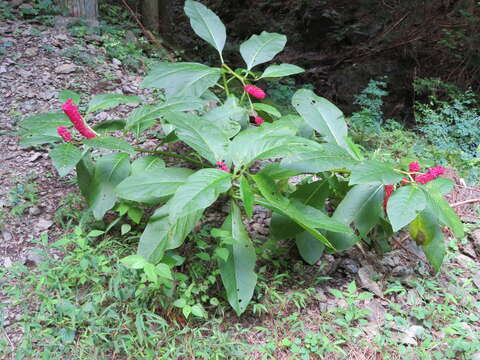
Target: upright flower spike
64, 133
256, 92
414, 167
71, 111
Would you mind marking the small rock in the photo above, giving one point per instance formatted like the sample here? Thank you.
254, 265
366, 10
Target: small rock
116, 62
377, 315
412, 334
464, 260
33, 256
26, 7
259, 229
402, 271
476, 279
3, 69
43, 224
6, 236
476, 240
321, 295
476, 356
15, 3
34, 210
365, 275
31, 52
7, 262
350, 265
65, 69
35, 157
468, 250
62, 37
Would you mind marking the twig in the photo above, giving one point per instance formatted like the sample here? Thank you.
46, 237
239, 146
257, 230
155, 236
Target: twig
9, 341
469, 201
148, 33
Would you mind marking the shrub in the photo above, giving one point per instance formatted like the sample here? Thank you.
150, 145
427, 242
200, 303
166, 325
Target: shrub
348, 199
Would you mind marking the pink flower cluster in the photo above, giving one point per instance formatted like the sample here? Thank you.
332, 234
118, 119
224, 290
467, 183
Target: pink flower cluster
64, 133
71, 111
258, 120
430, 175
388, 192
256, 92
220, 165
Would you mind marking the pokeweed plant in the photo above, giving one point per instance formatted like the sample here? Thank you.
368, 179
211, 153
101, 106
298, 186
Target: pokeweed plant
343, 198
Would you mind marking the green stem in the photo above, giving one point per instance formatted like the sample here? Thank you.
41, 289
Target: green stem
234, 74
167, 153
225, 84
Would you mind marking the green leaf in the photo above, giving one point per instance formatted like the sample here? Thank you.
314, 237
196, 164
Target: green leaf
125, 228
180, 303
27, 140
182, 79
222, 253
164, 271
267, 108
330, 157
362, 206
404, 205
162, 233
108, 101
85, 172
276, 172
310, 249
445, 214
427, 233
65, 157
282, 227
262, 48
246, 195
147, 163
313, 194
206, 24
109, 142
277, 71
440, 185
110, 170
109, 125
198, 310
134, 261
323, 116
199, 192
64, 95
146, 115
135, 214
149, 270
44, 122
229, 117
153, 185
200, 134
373, 171
238, 275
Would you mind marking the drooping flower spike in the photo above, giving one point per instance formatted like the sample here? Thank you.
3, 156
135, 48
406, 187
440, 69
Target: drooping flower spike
388, 192
64, 133
256, 92
430, 175
71, 111
220, 165
258, 120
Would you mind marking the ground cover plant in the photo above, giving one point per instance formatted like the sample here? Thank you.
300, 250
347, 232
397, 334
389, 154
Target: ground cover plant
344, 197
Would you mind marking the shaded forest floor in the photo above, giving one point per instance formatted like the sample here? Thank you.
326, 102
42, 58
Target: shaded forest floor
64, 294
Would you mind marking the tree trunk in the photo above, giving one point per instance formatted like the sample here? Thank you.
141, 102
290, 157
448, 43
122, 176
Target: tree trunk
150, 14
87, 9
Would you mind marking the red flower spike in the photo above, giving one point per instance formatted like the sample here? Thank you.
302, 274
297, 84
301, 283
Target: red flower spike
220, 165
64, 133
256, 92
71, 111
258, 120
388, 192
430, 175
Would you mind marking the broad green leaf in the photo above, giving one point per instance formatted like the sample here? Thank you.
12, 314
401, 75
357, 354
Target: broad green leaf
445, 214
303, 128
404, 205
147, 163
134, 261
153, 185
310, 249
42, 122
362, 206
85, 173
330, 157
276, 172
149, 270
164, 271
182, 79
163, 233
27, 140
282, 227
440, 185
109, 142
255, 143
313, 194
206, 24
425, 231
262, 48
110, 170
229, 117
108, 101
64, 95
109, 125
323, 116
144, 116
199, 192
276, 71
267, 108
65, 157
246, 195
238, 275
373, 171
200, 134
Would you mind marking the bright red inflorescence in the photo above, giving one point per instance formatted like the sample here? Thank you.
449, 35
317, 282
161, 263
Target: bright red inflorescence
256, 92
414, 167
258, 120
430, 175
71, 111
388, 192
220, 165
64, 133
